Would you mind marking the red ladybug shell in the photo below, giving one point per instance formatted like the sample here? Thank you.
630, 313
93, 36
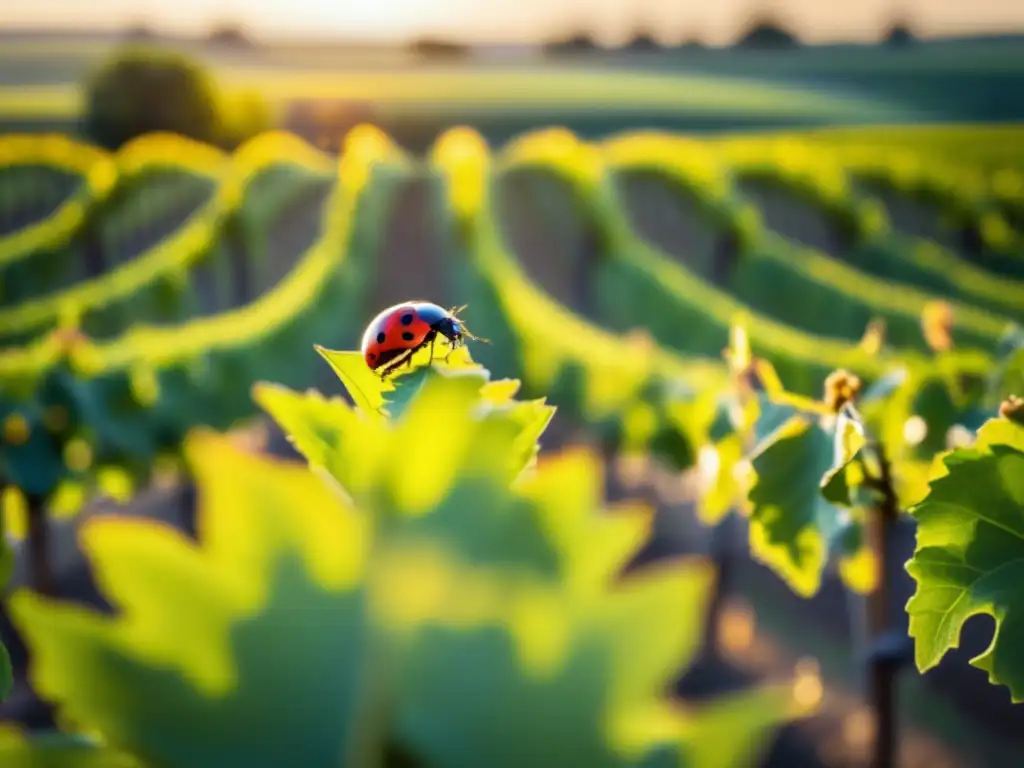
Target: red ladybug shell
395, 330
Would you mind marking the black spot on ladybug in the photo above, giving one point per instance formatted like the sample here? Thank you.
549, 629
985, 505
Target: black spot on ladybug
372, 355
407, 319
407, 336
380, 337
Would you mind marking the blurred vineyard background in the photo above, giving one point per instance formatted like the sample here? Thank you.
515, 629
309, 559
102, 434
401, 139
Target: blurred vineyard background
636, 201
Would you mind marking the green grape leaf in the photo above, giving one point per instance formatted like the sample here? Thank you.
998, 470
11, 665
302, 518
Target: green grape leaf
408, 386
413, 457
562, 497
723, 487
1000, 432
769, 416
970, 555
364, 386
440, 434
529, 419
442, 470
838, 486
57, 750
684, 424
313, 424
550, 682
207, 639
793, 527
723, 424
721, 460
329, 433
501, 391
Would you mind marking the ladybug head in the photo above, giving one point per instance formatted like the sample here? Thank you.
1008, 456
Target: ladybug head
450, 328
453, 329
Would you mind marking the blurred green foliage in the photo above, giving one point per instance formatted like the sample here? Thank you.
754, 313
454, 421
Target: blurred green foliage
443, 462
426, 594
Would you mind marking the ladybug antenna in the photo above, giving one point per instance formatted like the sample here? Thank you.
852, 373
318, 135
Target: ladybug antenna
454, 312
468, 335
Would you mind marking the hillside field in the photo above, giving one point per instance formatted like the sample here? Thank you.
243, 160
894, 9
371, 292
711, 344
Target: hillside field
593, 94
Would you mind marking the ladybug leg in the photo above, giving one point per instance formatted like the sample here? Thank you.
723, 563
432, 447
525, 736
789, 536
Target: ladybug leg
456, 343
388, 370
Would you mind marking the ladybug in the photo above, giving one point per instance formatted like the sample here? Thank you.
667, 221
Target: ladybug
396, 334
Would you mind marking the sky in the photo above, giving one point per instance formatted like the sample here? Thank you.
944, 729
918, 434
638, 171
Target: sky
521, 20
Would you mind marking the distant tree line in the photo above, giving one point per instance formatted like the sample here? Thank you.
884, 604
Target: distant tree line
764, 32
434, 48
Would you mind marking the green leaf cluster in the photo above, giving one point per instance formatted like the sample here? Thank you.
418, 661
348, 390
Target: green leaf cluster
969, 558
803, 472
425, 592
806, 480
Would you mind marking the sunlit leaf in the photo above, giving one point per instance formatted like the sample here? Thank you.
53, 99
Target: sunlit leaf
209, 637
792, 525
1000, 432
434, 431
515, 705
838, 485
768, 377
408, 386
970, 555
500, 391
563, 497
722, 484
769, 415
364, 386
683, 428
329, 433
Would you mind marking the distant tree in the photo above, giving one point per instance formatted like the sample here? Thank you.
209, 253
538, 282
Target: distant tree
899, 33
138, 91
579, 42
229, 35
766, 33
692, 42
643, 42
140, 31
434, 48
